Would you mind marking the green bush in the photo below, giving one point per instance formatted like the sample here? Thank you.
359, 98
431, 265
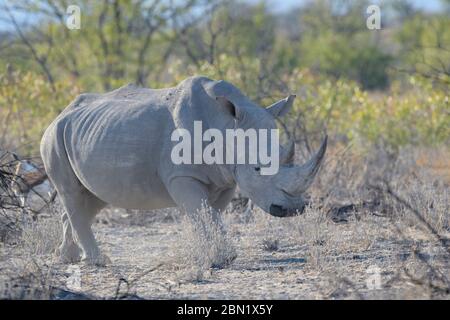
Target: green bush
28, 105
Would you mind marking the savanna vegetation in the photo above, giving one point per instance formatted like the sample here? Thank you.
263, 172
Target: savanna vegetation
388, 85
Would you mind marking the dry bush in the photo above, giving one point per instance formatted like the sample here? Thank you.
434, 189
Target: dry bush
43, 235
373, 228
32, 276
415, 203
203, 244
9, 226
311, 231
15, 185
31, 279
431, 198
10, 209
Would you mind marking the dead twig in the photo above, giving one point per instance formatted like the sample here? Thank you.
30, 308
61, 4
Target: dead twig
388, 190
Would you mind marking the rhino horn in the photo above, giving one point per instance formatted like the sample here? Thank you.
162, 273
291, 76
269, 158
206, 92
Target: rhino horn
287, 153
301, 177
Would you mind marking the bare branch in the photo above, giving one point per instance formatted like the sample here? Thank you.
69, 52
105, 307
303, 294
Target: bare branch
40, 60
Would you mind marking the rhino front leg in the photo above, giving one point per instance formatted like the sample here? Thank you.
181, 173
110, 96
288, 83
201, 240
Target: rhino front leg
192, 196
224, 199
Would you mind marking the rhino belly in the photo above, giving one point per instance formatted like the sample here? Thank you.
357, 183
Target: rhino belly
129, 187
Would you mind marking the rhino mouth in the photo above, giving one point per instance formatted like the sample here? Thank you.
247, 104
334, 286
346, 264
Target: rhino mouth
280, 211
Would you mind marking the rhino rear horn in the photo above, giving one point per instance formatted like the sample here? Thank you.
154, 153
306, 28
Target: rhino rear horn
287, 153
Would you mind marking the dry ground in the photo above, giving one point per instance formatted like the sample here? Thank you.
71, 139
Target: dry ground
371, 252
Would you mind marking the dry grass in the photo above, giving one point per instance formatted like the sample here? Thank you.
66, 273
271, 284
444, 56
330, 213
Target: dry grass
329, 252
31, 275
203, 244
43, 236
30, 278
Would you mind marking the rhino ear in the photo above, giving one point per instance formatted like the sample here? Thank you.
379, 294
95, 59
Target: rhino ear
227, 106
221, 92
282, 107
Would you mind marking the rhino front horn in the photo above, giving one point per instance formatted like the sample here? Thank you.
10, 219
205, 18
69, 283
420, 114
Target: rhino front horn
301, 177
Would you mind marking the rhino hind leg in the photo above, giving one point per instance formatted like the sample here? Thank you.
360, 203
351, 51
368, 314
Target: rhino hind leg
68, 251
80, 204
82, 207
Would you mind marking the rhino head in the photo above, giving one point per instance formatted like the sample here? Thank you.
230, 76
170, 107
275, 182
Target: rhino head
280, 194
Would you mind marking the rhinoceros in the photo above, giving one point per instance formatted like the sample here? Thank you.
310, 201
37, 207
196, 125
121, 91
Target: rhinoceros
115, 148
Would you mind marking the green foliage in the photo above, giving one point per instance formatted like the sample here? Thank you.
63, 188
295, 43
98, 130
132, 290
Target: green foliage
336, 41
28, 105
426, 46
418, 116
323, 52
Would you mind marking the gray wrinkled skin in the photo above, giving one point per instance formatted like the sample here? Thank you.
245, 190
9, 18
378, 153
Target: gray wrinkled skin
115, 148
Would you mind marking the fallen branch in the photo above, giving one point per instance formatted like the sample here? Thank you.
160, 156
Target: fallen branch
388, 190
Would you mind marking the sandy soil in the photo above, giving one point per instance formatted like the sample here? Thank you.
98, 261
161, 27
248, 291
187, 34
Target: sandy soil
307, 257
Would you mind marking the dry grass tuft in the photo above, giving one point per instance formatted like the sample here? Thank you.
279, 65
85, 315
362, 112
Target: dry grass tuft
43, 236
203, 244
29, 278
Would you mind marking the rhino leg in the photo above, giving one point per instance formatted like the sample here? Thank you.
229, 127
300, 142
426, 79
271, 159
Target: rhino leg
80, 204
191, 195
68, 251
224, 199
82, 207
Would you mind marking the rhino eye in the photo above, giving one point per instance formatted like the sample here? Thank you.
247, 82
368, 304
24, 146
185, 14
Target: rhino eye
257, 169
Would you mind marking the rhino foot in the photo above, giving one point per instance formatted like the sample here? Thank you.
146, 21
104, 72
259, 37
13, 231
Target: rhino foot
100, 260
68, 254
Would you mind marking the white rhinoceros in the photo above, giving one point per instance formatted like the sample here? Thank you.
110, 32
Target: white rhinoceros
115, 148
